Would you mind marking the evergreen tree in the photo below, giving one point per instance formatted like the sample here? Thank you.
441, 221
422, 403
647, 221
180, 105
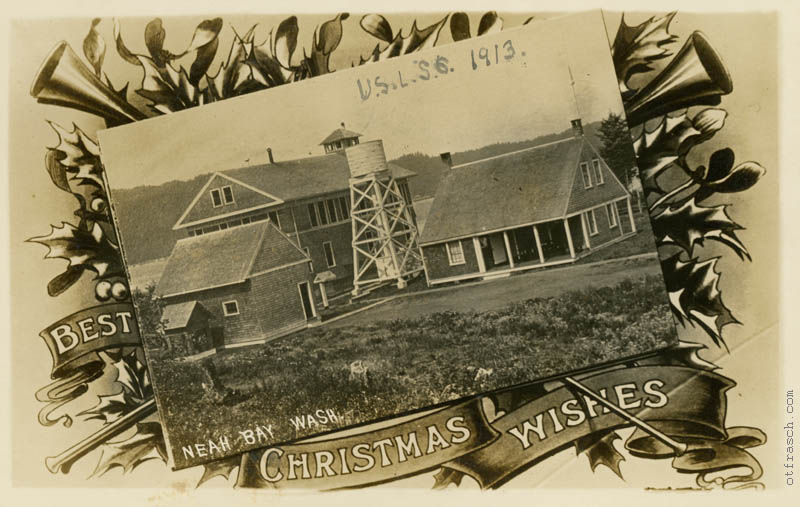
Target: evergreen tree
617, 148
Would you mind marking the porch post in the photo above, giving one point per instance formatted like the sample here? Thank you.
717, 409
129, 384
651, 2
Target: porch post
508, 249
479, 254
585, 230
619, 222
538, 244
569, 239
630, 213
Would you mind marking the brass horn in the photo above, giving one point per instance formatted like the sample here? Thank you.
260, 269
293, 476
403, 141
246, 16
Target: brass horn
64, 80
695, 76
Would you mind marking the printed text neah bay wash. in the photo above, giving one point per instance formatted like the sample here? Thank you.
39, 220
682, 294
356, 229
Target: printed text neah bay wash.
259, 434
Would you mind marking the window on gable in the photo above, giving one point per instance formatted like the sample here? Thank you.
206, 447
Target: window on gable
329, 258
455, 253
611, 212
587, 177
227, 194
312, 215
230, 308
591, 219
598, 172
216, 198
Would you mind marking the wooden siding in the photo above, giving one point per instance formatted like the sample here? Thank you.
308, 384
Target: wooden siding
583, 198
438, 264
243, 198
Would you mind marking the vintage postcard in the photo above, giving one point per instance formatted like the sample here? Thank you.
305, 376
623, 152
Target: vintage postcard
481, 342
386, 238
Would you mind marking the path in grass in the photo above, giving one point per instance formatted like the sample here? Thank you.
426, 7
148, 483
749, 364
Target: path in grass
496, 294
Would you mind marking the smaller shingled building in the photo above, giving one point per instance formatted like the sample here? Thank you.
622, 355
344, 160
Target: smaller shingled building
248, 284
540, 206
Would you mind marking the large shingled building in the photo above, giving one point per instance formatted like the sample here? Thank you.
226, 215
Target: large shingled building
535, 207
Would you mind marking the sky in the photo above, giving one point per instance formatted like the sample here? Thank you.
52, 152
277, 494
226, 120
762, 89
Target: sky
506, 101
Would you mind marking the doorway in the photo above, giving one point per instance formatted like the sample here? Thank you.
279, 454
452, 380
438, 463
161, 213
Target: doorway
308, 303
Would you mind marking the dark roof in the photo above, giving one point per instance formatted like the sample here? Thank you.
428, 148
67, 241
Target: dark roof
176, 316
520, 187
222, 258
339, 134
305, 177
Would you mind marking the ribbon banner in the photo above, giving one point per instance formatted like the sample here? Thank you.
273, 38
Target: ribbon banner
687, 404
74, 340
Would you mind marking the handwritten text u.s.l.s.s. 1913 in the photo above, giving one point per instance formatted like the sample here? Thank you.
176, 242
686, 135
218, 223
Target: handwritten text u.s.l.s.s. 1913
439, 66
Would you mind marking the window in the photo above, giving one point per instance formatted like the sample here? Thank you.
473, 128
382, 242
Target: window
329, 258
198, 232
591, 219
611, 212
230, 308
223, 226
587, 177
216, 198
311, 263
191, 233
598, 172
312, 215
273, 217
344, 208
246, 220
227, 194
235, 223
455, 254
329, 204
323, 216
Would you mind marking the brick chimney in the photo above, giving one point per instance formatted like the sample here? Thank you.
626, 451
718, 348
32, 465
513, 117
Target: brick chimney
577, 128
269, 153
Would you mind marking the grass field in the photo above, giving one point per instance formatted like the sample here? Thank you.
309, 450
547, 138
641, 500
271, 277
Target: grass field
412, 362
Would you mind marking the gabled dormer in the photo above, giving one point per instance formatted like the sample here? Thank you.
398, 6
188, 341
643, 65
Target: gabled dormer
340, 139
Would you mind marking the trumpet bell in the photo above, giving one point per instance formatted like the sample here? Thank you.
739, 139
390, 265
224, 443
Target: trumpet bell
695, 76
64, 80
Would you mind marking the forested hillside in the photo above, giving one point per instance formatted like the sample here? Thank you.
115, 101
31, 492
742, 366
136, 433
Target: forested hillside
149, 235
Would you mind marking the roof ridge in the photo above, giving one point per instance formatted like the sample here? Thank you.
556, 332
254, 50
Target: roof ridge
530, 148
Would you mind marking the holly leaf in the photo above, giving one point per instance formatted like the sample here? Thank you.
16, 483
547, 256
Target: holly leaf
599, 449
219, 468
110, 408
447, 476
89, 249
64, 281
490, 23
459, 27
144, 445
693, 290
671, 141
636, 47
417, 40
205, 42
94, 47
377, 26
326, 39
688, 225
